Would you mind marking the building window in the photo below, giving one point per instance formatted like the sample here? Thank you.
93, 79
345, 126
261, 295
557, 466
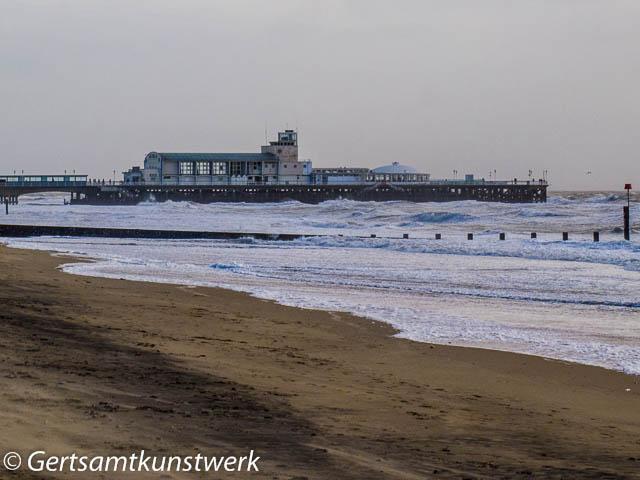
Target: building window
203, 168
219, 168
236, 168
186, 168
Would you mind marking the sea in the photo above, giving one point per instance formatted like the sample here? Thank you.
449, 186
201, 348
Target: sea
575, 300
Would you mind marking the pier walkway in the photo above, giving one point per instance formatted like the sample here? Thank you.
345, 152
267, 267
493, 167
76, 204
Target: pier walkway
110, 193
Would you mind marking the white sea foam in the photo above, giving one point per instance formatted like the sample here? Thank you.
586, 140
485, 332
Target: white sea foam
575, 300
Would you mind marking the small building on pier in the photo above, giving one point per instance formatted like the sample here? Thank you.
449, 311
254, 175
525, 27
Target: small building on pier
394, 173
133, 176
43, 180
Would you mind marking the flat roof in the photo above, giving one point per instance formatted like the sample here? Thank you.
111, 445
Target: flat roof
23, 175
246, 157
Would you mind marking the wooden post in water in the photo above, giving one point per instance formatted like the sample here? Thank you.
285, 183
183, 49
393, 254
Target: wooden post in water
626, 212
627, 226
405, 235
373, 235
534, 235
6, 204
438, 236
469, 236
565, 236
596, 236
503, 236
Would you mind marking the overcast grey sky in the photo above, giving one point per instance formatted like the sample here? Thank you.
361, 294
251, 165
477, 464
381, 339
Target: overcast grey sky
473, 85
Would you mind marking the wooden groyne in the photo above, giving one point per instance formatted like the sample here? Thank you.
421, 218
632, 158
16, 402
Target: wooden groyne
98, 232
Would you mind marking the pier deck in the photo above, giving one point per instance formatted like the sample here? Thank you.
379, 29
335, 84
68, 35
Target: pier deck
521, 192
508, 193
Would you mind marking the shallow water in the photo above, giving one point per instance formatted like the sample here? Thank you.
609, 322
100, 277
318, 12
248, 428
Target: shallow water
575, 300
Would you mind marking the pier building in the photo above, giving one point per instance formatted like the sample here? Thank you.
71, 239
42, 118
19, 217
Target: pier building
277, 163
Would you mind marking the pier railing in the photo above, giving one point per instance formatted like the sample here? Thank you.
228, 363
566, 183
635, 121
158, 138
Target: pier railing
232, 183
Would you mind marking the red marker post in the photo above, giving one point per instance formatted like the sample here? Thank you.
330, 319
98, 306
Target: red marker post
625, 213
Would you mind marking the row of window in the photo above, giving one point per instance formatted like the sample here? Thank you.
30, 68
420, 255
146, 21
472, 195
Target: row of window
71, 178
222, 168
406, 177
203, 168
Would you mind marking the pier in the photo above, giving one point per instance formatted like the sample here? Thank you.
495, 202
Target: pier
13, 186
274, 174
380, 192
85, 192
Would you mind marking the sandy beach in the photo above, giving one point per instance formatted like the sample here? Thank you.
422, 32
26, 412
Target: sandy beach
109, 367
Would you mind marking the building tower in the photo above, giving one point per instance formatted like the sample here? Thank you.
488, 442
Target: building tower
285, 149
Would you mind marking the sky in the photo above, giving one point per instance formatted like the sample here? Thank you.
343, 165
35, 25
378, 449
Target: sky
474, 86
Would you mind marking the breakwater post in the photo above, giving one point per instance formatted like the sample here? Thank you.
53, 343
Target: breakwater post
565, 236
534, 235
627, 226
469, 236
438, 236
596, 236
503, 236
626, 213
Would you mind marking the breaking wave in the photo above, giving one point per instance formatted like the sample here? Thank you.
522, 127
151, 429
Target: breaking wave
440, 217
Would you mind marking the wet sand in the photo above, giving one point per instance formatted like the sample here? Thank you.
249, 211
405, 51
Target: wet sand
110, 367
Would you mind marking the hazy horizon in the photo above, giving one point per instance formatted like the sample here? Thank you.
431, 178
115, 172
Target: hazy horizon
439, 85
